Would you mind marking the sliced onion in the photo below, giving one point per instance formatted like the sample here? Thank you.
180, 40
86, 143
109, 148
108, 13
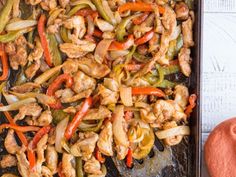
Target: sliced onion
180, 130
126, 96
60, 131
118, 126
176, 33
88, 2
101, 50
118, 53
108, 11
104, 25
53, 15
19, 25
47, 74
10, 98
84, 125
17, 105
141, 105
111, 84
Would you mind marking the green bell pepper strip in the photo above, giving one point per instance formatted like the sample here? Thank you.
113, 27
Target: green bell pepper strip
179, 43
93, 129
161, 75
5, 14
56, 55
121, 28
79, 167
11, 36
165, 84
58, 115
130, 54
64, 35
101, 10
30, 37
141, 58
76, 9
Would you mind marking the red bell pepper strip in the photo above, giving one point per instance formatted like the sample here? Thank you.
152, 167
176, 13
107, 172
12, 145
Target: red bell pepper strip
140, 19
21, 136
56, 85
31, 158
99, 156
43, 39
145, 38
139, 6
87, 11
129, 159
43, 131
71, 128
5, 66
19, 128
133, 67
122, 45
97, 33
147, 91
192, 104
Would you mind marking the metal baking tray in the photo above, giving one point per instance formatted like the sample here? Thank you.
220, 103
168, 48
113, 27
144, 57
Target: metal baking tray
182, 160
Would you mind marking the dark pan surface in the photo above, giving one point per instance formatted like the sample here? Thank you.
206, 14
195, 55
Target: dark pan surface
182, 160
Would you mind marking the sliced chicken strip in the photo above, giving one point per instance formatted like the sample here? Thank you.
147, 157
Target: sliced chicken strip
68, 165
52, 159
10, 143
8, 161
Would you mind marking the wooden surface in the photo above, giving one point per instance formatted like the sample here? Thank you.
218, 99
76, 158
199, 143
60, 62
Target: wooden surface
219, 65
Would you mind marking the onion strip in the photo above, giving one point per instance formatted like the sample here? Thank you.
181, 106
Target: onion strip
180, 130
17, 105
101, 50
126, 96
19, 25
60, 131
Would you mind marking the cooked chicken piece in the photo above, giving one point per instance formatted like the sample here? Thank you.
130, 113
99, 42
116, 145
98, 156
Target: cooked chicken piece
45, 118
77, 50
140, 30
64, 94
181, 96
52, 136
169, 20
31, 71
83, 82
105, 140
63, 3
8, 161
163, 110
54, 28
138, 82
159, 28
147, 114
52, 159
46, 172
179, 113
89, 66
41, 147
97, 113
107, 96
8, 175
70, 110
48, 4
121, 151
187, 29
37, 53
22, 163
111, 84
74, 98
10, 142
92, 166
78, 24
154, 43
68, 165
85, 145
171, 141
18, 53
27, 87
70, 66
31, 109
182, 11
185, 61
